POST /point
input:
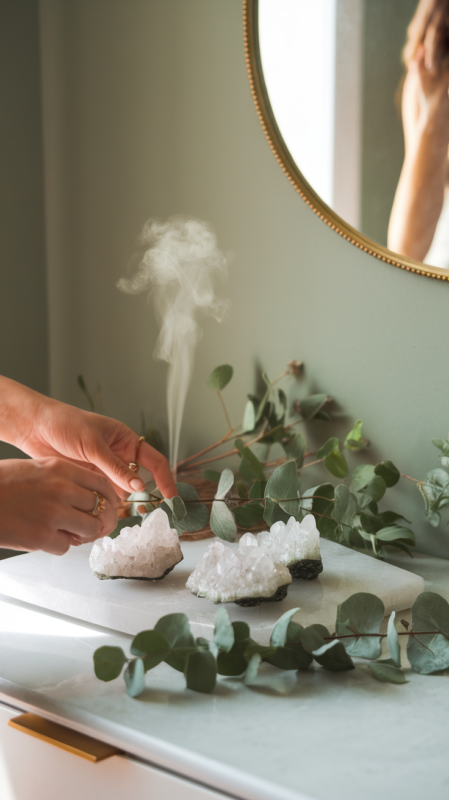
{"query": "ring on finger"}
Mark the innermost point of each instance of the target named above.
(100, 505)
(133, 465)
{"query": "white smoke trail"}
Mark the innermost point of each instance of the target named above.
(179, 260)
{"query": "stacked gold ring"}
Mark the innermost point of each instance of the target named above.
(100, 505)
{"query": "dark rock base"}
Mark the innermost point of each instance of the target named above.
(126, 578)
(307, 569)
(280, 594)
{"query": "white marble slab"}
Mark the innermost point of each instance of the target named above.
(66, 584)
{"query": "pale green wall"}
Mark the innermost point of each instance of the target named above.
(148, 112)
(23, 296)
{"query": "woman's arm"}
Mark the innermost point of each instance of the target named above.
(420, 193)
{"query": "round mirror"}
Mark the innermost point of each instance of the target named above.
(331, 86)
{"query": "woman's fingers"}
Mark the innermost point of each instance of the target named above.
(156, 463)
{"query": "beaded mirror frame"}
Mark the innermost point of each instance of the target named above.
(290, 169)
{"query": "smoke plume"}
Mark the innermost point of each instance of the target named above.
(178, 262)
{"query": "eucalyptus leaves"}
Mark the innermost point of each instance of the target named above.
(233, 652)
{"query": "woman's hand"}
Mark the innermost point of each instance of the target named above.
(47, 505)
(425, 101)
(43, 428)
(104, 443)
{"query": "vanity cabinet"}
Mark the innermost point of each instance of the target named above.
(31, 769)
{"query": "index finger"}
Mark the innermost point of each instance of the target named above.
(156, 463)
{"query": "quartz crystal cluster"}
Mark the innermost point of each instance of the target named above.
(295, 544)
(146, 552)
(247, 576)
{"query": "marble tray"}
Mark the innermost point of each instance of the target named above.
(66, 584)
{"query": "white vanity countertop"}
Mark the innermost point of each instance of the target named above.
(294, 735)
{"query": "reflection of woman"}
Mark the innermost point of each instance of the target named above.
(65, 494)
(421, 191)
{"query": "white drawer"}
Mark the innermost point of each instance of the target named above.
(31, 769)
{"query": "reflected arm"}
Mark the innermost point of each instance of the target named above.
(420, 192)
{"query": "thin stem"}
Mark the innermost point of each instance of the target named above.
(207, 449)
(312, 463)
(411, 479)
(225, 409)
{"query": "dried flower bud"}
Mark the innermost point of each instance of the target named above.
(295, 368)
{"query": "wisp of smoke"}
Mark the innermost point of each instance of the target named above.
(178, 263)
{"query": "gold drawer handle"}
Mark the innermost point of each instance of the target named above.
(77, 743)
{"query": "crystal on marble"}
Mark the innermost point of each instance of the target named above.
(290, 544)
(148, 551)
(226, 575)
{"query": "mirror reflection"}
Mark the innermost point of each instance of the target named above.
(359, 90)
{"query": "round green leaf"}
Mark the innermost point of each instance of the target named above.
(220, 377)
(429, 653)
(108, 662)
(361, 613)
(222, 521)
(225, 483)
(224, 632)
(135, 678)
(388, 471)
(387, 673)
(152, 646)
(201, 671)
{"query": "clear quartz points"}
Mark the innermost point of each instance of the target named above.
(150, 550)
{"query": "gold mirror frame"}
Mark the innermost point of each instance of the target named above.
(290, 169)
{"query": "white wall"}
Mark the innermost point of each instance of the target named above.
(148, 112)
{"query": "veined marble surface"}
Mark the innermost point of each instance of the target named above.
(68, 586)
(294, 735)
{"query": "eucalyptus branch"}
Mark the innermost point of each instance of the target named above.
(292, 646)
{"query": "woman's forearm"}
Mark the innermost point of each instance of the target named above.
(419, 197)
(20, 410)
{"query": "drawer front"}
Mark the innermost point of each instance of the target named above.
(31, 769)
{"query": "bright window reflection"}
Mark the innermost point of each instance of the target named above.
(14, 619)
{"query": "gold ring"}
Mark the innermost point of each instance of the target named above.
(100, 505)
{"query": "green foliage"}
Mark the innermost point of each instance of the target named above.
(135, 677)
(250, 467)
(197, 514)
(387, 673)
(334, 459)
(283, 487)
(249, 516)
(347, 509)
(233, 652)
(312, 407)
(201, 671)
(222, 521)
(295, 448)
(389, 473)
(393, 641)
(108, 662)
(435, 493)
(361, 614)
(429, 652)
(211, 475)
(249, 417)
(225, 483)
(354, 440)
(220, 377)
(176, 629)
